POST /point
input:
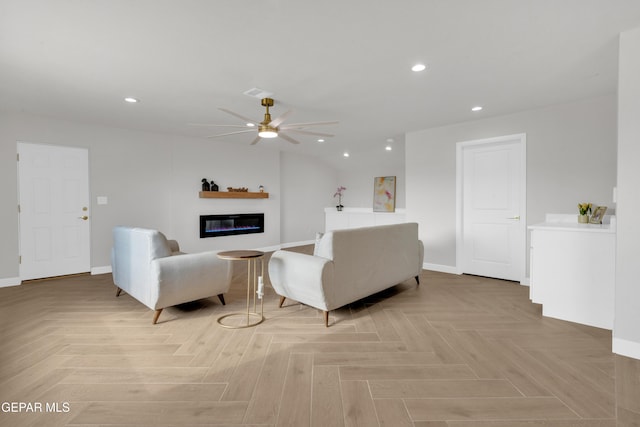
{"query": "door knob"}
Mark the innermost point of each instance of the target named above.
(515, 217)
(84, 217)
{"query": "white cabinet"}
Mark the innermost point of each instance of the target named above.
(360, 217)
(573, 270)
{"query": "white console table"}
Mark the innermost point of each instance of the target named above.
(573, 269)
(360, 217)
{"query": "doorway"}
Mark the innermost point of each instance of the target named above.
(53, 201)
(491, 207)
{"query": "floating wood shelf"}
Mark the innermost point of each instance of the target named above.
(232, 195)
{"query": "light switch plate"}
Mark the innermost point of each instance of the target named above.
(102, 200)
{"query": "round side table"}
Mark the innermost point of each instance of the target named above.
(253, 318)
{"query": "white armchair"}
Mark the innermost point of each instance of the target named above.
(152, 269)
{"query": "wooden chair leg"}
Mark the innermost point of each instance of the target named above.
(221, 298)
(118, 291)
(156, 315)
(281, 301)
(418, 280)
(326, 319)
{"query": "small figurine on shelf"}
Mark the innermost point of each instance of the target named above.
(205, 185)
(261, 188)
(214, 186)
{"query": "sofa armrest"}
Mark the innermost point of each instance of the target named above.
(304, 278)
(188, 277)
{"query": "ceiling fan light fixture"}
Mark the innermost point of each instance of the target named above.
(267, 131)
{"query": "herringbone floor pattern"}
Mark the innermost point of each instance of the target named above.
(454, 351)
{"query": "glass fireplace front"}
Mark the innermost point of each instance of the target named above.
(228, 225)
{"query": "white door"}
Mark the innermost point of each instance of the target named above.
(54, 210)
(493, 207)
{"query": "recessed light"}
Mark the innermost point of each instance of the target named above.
(321, 140)
(418, 67)
(130, 100)
(389, 140)
(346, 154)
(476, 108)
(250, 125)
(388, 148)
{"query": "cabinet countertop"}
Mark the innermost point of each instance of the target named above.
(562, 222)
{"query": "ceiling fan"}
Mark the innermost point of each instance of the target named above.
(269, 128)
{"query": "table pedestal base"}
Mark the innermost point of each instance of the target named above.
(257, 319)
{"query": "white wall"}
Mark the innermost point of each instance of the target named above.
(360, 169)
(626, 330)
(571, 158)
(153, 180)
(307, 188)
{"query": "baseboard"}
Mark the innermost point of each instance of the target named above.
(626, 348)
(10, 281)
(294, 244)
(101, 270)
(440, 268)
(526, 281)
(107, 268)
(268, 248)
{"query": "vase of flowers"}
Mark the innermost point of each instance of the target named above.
(338, 194)
(584, 209)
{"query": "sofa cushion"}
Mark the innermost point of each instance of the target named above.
(158, 245)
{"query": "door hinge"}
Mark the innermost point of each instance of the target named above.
(18, 156)
(19, 259)
(19, 210)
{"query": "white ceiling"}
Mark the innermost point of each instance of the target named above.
(345, 60)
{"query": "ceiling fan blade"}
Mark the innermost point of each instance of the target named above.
(211, 124)
(276, 122)
(230, 133)
(302, 125)
(238, 116)
(288, 138)
(255, 141)
(306, 132)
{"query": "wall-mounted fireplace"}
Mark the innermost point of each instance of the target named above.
(229, 225)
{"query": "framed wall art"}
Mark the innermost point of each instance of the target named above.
(384, 194)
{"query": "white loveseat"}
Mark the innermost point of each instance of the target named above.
(348, 265)
(152, 269)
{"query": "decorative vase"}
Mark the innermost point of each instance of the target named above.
(583, 219)
(339, 207)
(214, 186)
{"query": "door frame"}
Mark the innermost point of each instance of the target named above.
(460, 147)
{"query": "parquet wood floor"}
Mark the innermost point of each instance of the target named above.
(456, 351)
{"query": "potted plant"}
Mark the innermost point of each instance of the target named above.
(585, 210)
(339, 192)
